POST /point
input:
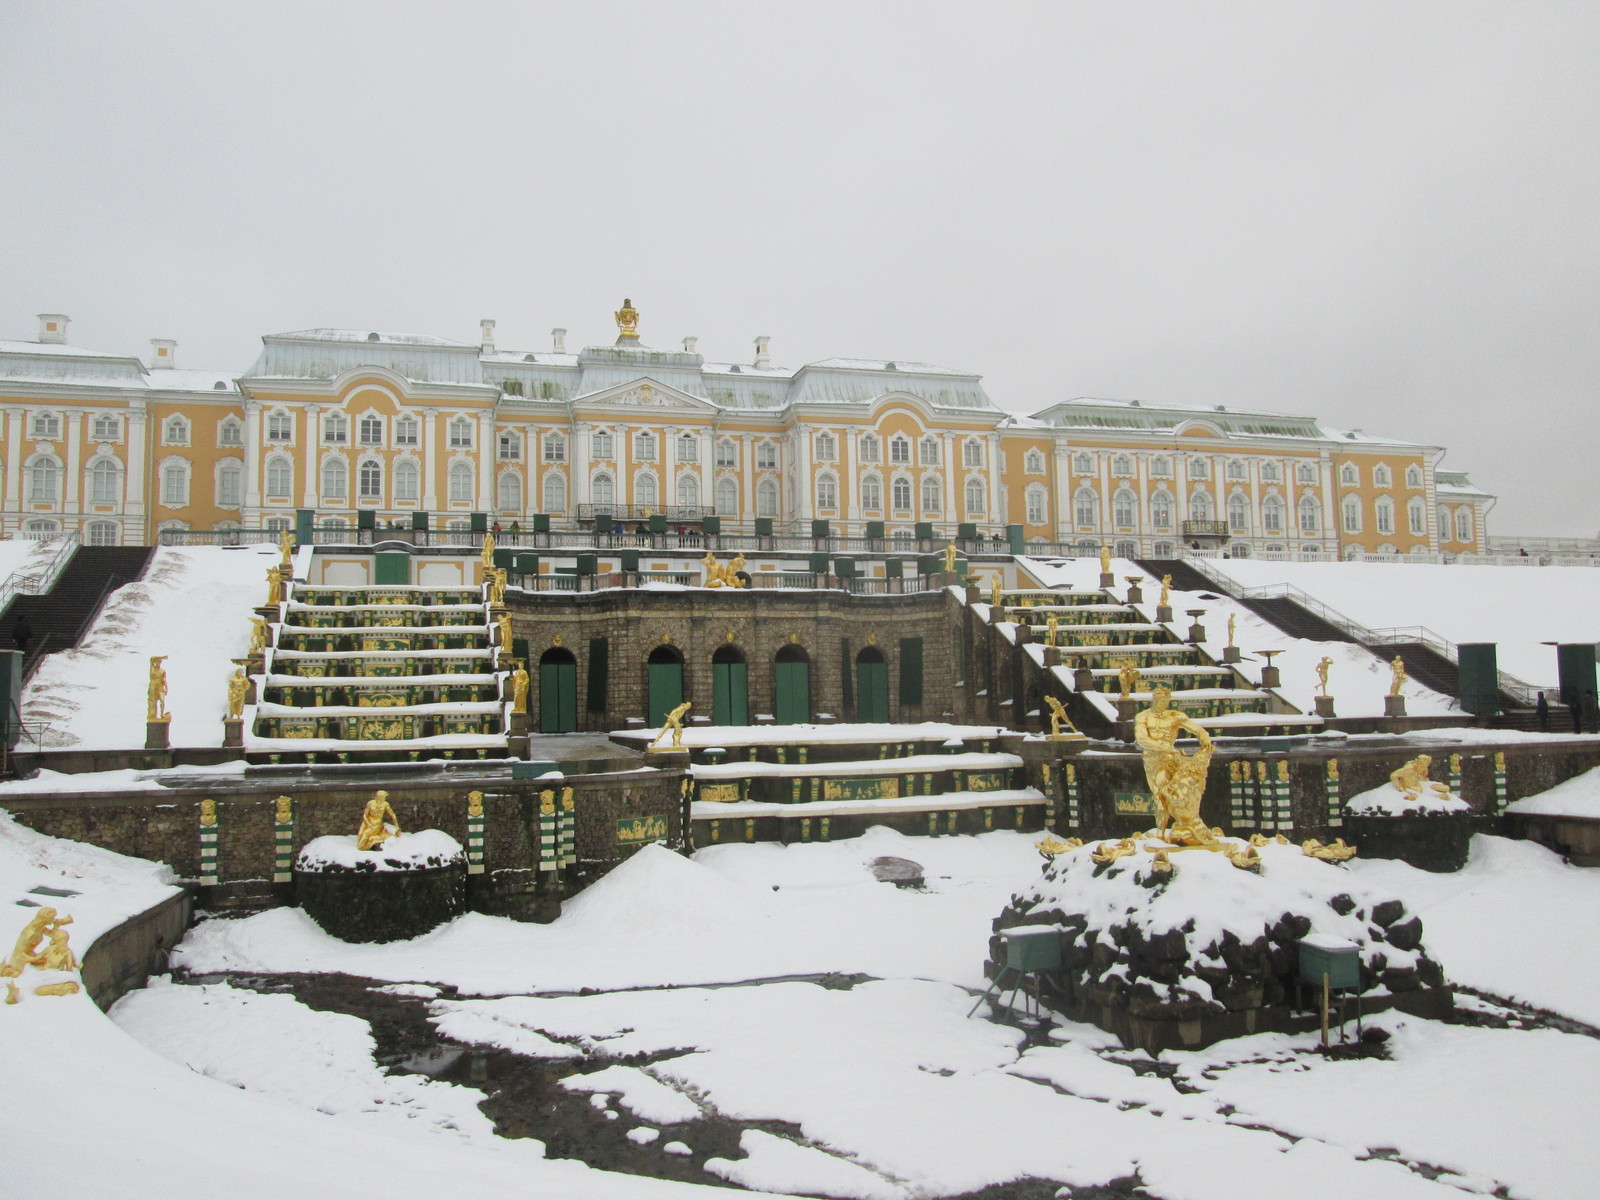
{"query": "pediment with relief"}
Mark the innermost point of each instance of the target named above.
(644, 393)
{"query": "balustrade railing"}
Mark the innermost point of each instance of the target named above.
(40, 575)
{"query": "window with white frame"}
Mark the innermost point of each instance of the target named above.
(103, 533)
(932, 495)
(869, 448)
(602, 491)
(46, 426)
(1201, 506)
(1350, 507)
(335, 429)
(930, 452)
(460, 430)
(1463, 524)
(1272, 514)
(1416, 516)
(174, 484)
(1305, 473)
(688, 491)
(370, 430)
(827, 447)
(44, 476)
(1122, 465)
(645, 491)
(1236, 469)
(508, 492)
(688, 448)
(827, 491)
(1161, 509)
(1413, 476)
(230, 483)
(644, 447)
(407, 431)
(175, 431)
(335, 479)
(972, 453)
(106, 428)
(767, 498)
(369, 479)
(1124, 507)
(600, 444)
(1349, 476)
(555, 447)
(280, 477)
(1036, 499)
(1271, 472)
(1238, 514)
(1381, 476)
(105, 479)
(766, 457)
(555, 492)
(1310, 519)
(975, 502)
(1199, 468)
(508, 447)
(407, 481)
(1083, 464)
(1161, 467)
(1086, 506)
(900, 494)
(1383, 514)
(872, 494)
(1033, 462)
(727, 498)
(230, 432)
(727, 454)
(899, 449)
(460, 478)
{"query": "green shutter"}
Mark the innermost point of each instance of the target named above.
(911, 671)
(599, 673)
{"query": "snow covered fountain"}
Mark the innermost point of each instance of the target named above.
(1415, 818)
(379, 884)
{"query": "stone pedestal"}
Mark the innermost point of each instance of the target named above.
(1164, 614)
(1394, 706)
(1083, 680)
(1052, 656)
(1230, 654)
(521, 724)
(1107, 580)
(519, 746)
(974, 594)
(232, 733)
(668, 760)
(1135, 595)
(157, 733)
(1270, 677)
(1325, 706)
(1127, 709)
(1197, 633)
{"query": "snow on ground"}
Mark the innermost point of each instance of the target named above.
(22, 555)
(1358, 679)
(193, 605)
(1575, 797)
(764, 735)
(1516, 607)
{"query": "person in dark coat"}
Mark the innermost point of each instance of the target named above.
(1575, 705)
(1543, 709)
(21, 633)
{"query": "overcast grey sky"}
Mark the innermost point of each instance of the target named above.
(1382, 214)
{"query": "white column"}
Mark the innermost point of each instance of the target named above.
(14, 457)
(1331, 530)
(431, 461)
(993, 468)
(138, 464)
(252, 458)
(72, 491)
(312, 446)
(802, 475)
(1063, 481)
(579, 466)
(487, 451)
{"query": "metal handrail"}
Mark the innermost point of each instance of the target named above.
(40, 578)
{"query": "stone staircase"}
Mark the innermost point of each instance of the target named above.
(60, 617)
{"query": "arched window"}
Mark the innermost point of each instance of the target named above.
(1348, 475)
(1036, 500)
(406, 432)
(1383, 513)
(1082, 464)
(230, 483)
(900, 494)
(869, 448)
(972, 453)
(407, 480)
(645, 491)
(44, 474)
(460, 434)
(230, 432)
(688, 491)
(1309, 520)
(1381, 476)
(103, 533)
(1122, 465)
(334, 428)
(175, 431)
(104, 479)
(872, 494)
(46, 426)
(1305, 473)
(461, 483)
(555, 492)
(174, 483)
(1413, 476)
(1416, 516)
(1272, 514)
(600, 444)
(932, 495)
(369, 479)
(767, 499)
(974, 496)
(1351, 508)
(335, 479)
(280, 477)
(1463, 524)
(1124, 507)
(827, 491)
(602, 491)
(1086, 506)
(1161, 509)
(1238, 514)
(1201, 507)
(508, 492)
(1033, 462)
(727, 498)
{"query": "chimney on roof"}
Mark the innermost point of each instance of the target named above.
(162, 354)
(560, 336)
(486, 336)
(763, 359)
(688, 344)
(53, 328)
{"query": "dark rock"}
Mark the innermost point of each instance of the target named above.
(1343, 904)
(382, 906)
(1400, 979)
(1387, 913)
(1407, 935)
(901, 872)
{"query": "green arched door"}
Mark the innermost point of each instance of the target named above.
(792, 687)
(872, 686)
(558, 692)
(664, 686)
(730, 688)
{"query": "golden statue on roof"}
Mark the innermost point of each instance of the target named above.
(627, 321)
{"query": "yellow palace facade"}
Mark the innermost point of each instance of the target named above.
(341, 422)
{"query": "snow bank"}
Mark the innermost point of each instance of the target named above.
(403, 852)
(1390, 801)
(1576, 797)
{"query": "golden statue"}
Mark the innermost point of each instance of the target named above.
(497, 586)
(283, 810)
(474, 804)
(1232, 621)
(1127, 677)
(674, 726)
(258, 635)
(156, 694)
(519, 689)
(1049, 846)
(1052, 624)
(1397, 670)
(1334, 851)
(1107, 852)
(1176, 780)
(375, 821)
(505, 633)
(286, 548)
(488, 552)
(996, 598)
(1105, 559)
(42, 944)
(732, 573)
(1411, 780)
(716, 574)
(274, 586)
(1058, 717)
(208, 812)
(1322, 675)
(627, 321)
(950, 558)
(238, 689)
(1166, 591)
